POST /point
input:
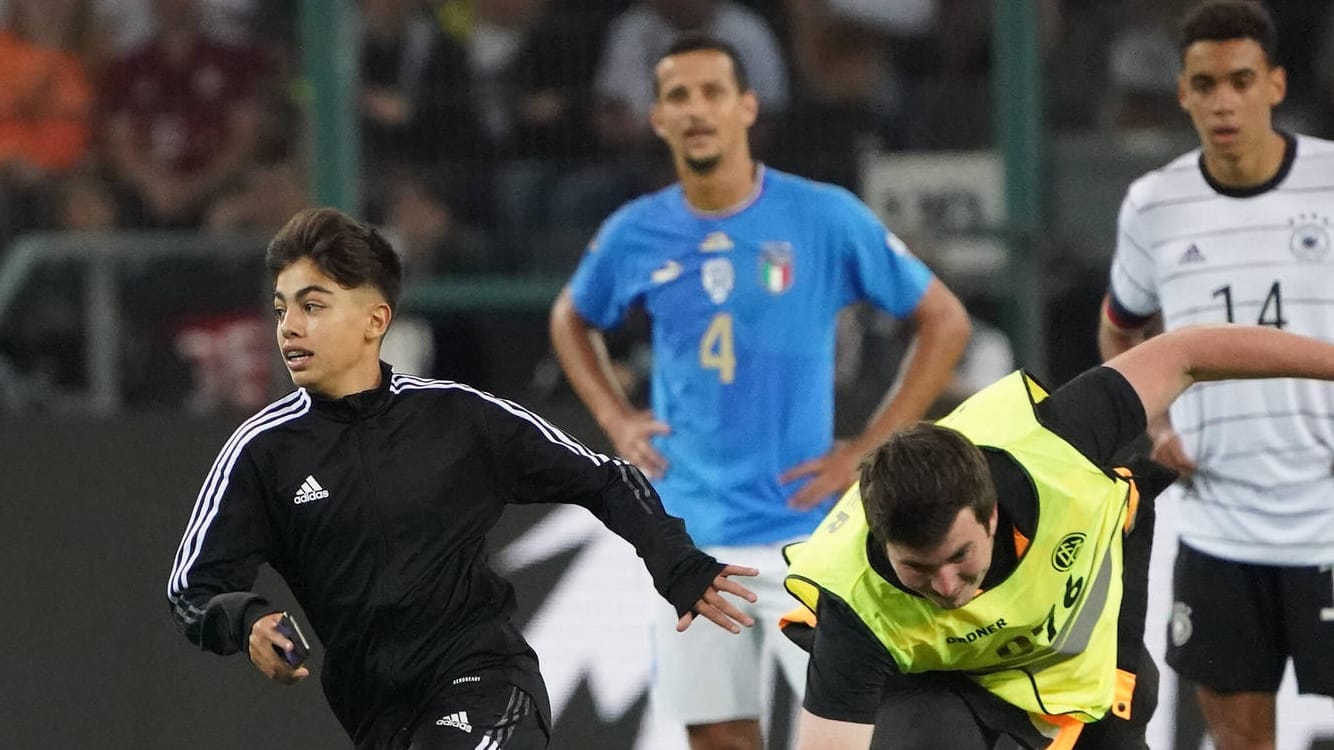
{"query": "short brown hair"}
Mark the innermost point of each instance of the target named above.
(1221, 20)
(349, 252)
(914, 485)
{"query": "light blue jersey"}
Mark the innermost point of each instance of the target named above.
(743, 306)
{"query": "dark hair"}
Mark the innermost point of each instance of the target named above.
(914, 485)
(695, 41)
(347, 251)
(1221, 20)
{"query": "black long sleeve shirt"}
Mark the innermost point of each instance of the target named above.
(375, 508)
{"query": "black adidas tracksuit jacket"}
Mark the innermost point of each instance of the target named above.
(390, 565)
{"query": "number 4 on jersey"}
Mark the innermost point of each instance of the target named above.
(716, 351)
(1271, 313)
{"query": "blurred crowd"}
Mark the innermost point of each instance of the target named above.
(497, 134)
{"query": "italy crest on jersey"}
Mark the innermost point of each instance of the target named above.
(776, 266)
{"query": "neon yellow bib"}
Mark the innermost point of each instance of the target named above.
(1044, 639)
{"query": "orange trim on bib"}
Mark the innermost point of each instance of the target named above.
(1132, 512)
(1020, 544)
(1070, 729)
(800, 616)
(1125, 694)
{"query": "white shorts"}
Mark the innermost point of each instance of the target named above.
(706, 674)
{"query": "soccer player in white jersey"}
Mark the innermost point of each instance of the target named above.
(1239, 230)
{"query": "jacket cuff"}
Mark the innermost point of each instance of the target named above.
(228, 619)
(689, 580)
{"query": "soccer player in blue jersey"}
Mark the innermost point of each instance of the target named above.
(742, 270)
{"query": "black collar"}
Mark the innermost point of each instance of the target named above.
(356, 406)
(1289, 155)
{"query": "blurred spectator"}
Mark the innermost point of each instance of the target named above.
(847, 94)
(183, 117)
(262, 200)
(415, 94)
(1142, 65)
(552, 83)
(639, 36)
(1077, 65)
(45, 109)
(899, 17)
(956, 108)
(1300, 24)
(1325, 82)
(421, 224)
(127, 25)
(556, 185)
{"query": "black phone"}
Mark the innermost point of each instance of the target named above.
(288, 627)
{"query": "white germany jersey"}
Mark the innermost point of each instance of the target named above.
(1201, 253)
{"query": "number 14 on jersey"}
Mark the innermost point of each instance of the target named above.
(1271, 312)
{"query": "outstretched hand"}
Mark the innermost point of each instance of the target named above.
(264, 636)
(717, 608)
(831, 473)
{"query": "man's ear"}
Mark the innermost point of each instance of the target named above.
(378, 321)
(656, 120)
(1278, 84)
(750, 105)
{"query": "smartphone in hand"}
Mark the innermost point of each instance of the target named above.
(288, 627)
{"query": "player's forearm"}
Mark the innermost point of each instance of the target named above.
(1113, 339)
(1163, 367)
(942, 334)
(583, 356)
(818, 733)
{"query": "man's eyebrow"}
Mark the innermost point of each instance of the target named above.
(1244, 70)
(303, 291)
(963, 549)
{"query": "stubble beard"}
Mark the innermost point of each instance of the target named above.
(705, 165)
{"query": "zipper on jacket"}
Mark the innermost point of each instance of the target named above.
(359, 430)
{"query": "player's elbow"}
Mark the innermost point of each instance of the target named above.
(944, 319)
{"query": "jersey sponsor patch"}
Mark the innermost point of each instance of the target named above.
(776, 273)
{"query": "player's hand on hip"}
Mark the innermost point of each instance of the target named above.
(264, 636)
(831, 473)
(716, 607)
(633, 438)
(1168, 450)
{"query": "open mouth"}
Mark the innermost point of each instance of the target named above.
(297, 357)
